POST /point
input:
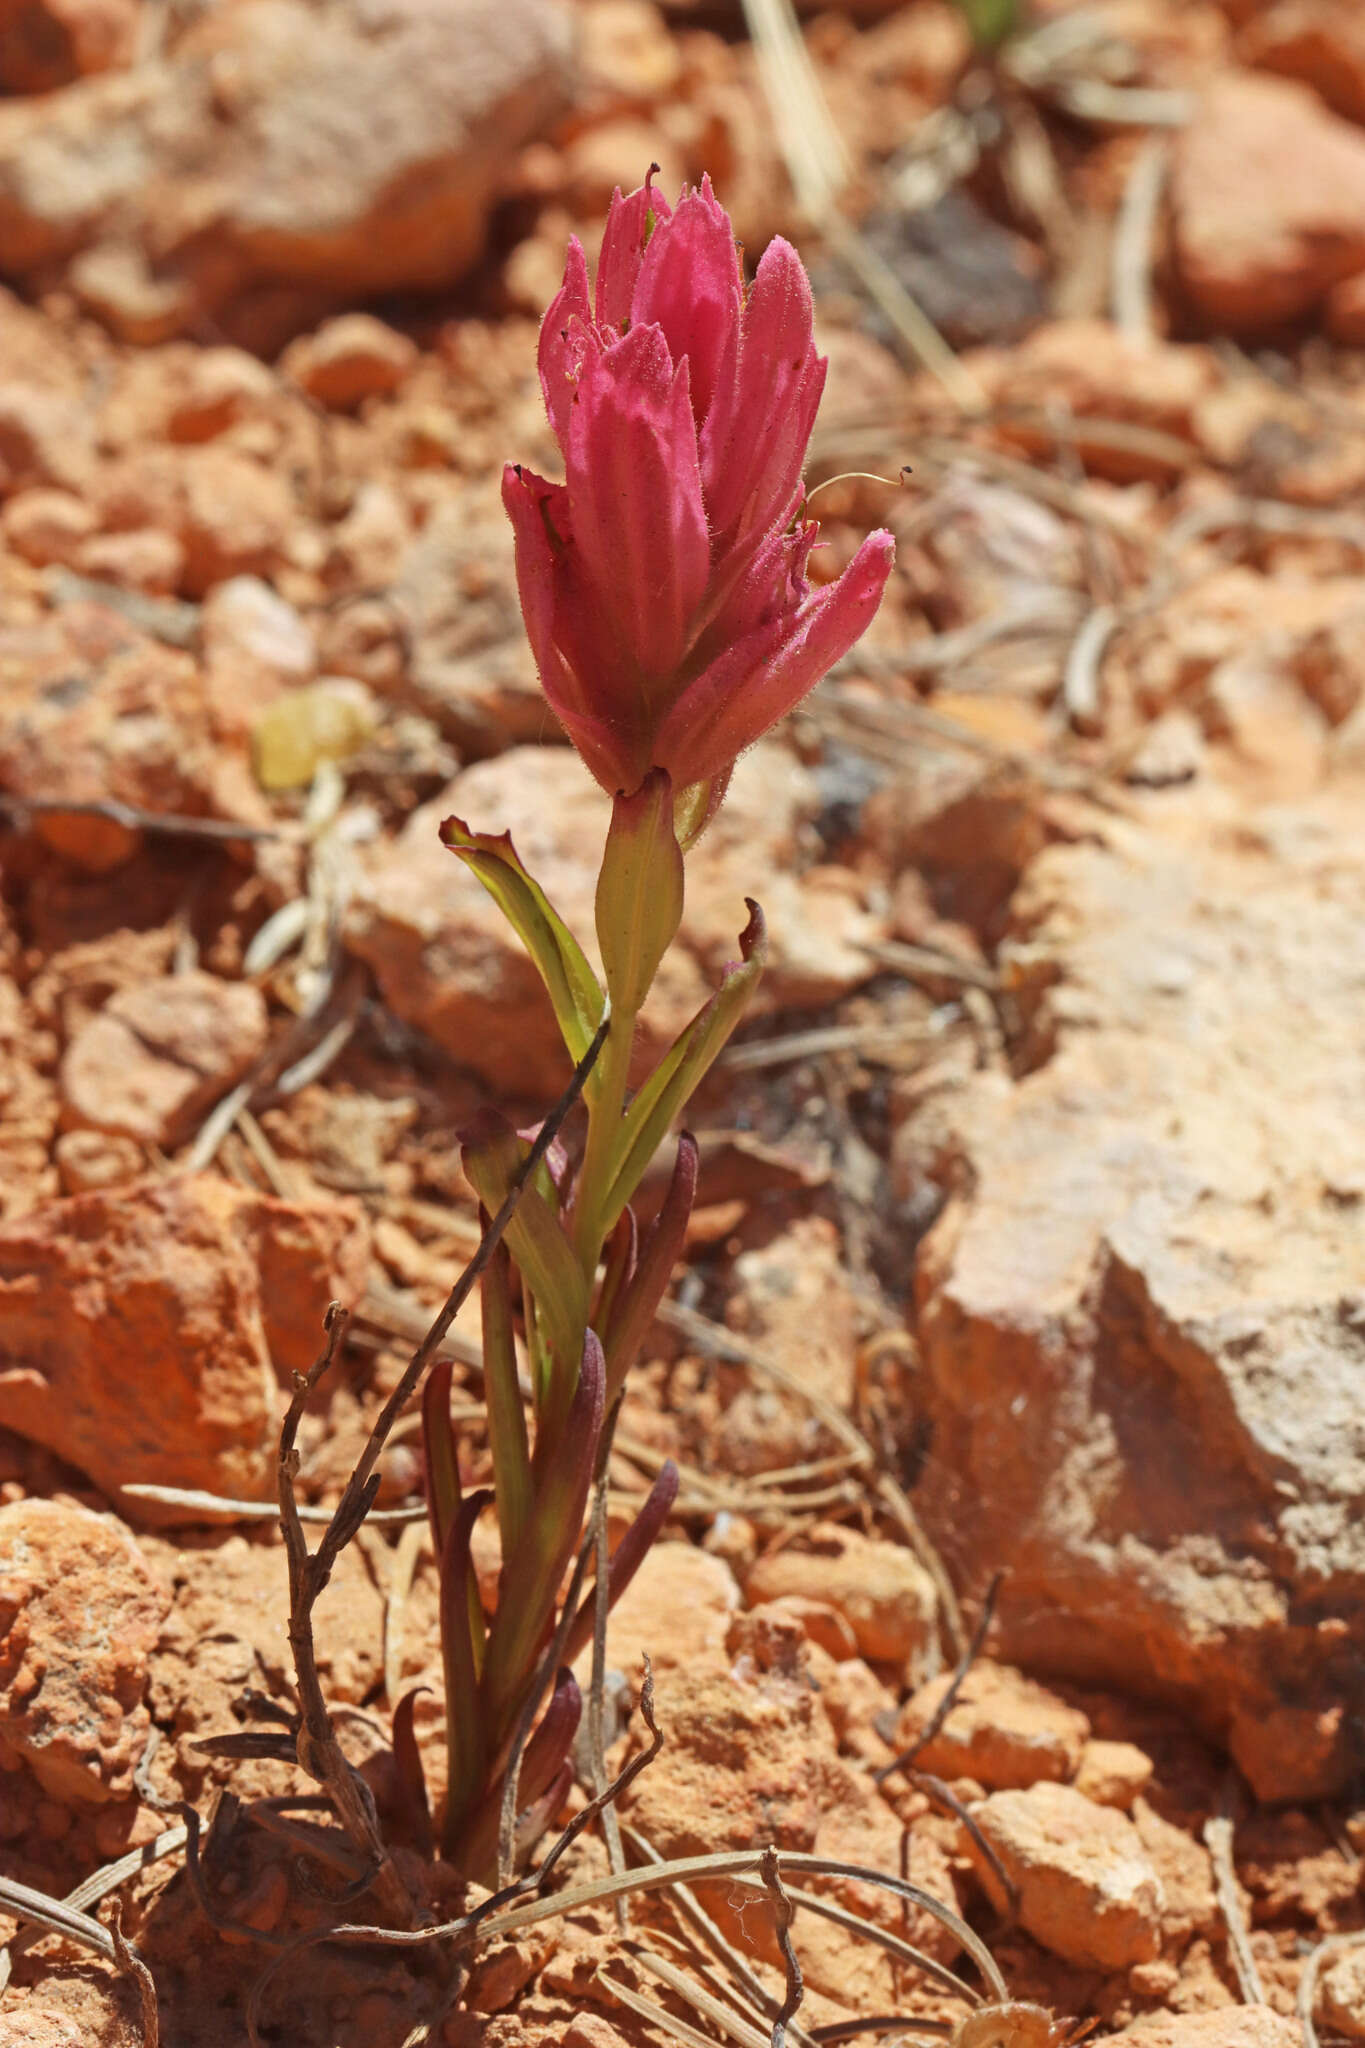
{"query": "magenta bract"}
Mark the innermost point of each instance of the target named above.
(664, 582)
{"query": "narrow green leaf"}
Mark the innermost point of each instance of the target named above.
(683, 1067)
(491, 1153)
(633, 1311)
(440, 1454)
(529, 1583)
(544, 1758)
(572, 986)
(639, 891)
(502, 1397)
(462, 1650)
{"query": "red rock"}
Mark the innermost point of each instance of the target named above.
(47, 43)
(791, 1297)
(1087, 1890)
(234, 517)
(255, 645)
(1113, 1773)
(1003, 1729)
(221, 386)
(144, 1328)
(141, 560)
(46, 526)
(40, 2026)
(1344, 314)
(349, 359)
(885, 1596)
(79, 1616)
(1321, 42)
(272, 161)
(1162, 1299)
(157, 1057)
(1096, 373)
(677, 1608)
(1229, 2026)
(1341, 1995)
(44, 436)
(1267, 201)
(87, 1160)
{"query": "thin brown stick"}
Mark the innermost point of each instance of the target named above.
(783, 1914)
(946, 1800)
(945, 1706)
(172, 823)
(131, 1965)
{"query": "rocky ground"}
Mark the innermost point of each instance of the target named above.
(1031, 1232)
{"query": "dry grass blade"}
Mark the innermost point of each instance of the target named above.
(714, 2009)
(1133, 236)
(198, 1503)
(689, 1909)
(94, 1888)
(1218, 1840)
(55, 1916)
(667, 2022)
(746, 1864)
(817, 165)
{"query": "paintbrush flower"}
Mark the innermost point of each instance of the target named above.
(664, 582)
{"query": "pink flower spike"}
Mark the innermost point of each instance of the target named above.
(630, 226)
(761, 678)
(689, 285)
(561, 338)
(635, 499)
(664, 583)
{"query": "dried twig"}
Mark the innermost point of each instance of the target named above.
(783, 1915)
(690, 1910)
(172, 823)
(1218, 1840)
(907, 1756)
(946, 1800)
(131, 1965)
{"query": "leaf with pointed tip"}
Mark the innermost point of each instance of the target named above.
(572, 986)
(439, 1450)
(529, 1582)
(541, 1765)
(491, 1153)
(408, 1773)
(685, 1064)
(462, 1653)
(628, 1555)
(632, 1311)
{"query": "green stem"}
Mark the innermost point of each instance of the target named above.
(604, 1130)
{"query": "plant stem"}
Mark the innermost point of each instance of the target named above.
(599, 1157)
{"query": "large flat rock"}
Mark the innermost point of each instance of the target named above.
(1142, 1311)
